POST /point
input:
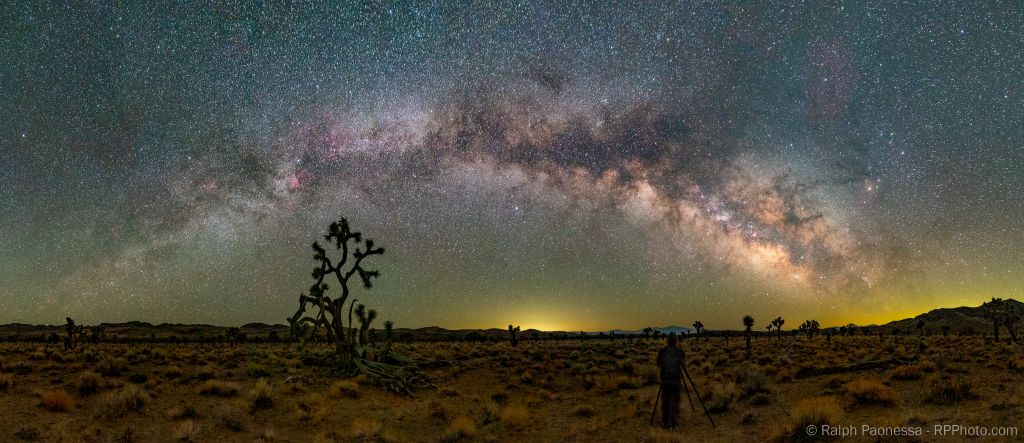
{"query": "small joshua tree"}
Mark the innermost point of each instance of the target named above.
(769, 329)
(748, 322)
(778, 322)
(389, 332)
(96, 333)
(72, 333)
(366, 318)
(234, 336)
(513, 335)
(699, 327)
(920, 327)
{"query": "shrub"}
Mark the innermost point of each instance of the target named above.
(180, 412)
(720, 396)
(256, 370)
(6, 382)
(869, 391)
(906, 372)
(29, 433)
(218, 388)
(345, 388)
(186, 430)
(363, 428)
(137, 378)
(750, 380)
(112, 366)
(58, 401)
(311, 407)
(515, 415)
(89, 383)
(941, 390)
(173, 372)
(132, 397)
(809, 412)
(205, 373)
(460, 427)
(261, 396)
(584, 411)
(231, 417)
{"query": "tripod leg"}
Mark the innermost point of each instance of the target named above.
(698, 397)
(688, 398)
(655, 409)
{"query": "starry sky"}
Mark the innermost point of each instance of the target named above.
(559, 165)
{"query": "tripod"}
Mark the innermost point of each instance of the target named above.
(657, 396)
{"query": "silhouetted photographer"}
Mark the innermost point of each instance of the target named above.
(671, 361)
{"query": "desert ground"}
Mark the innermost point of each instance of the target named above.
(569, 390)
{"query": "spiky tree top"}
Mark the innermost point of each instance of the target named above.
(748, 322)
(348, 265)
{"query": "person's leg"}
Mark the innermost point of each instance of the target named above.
(674, 405)
(666, 408)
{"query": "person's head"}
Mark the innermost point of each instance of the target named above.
(671, 339)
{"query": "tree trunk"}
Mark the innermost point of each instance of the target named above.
(748, 345)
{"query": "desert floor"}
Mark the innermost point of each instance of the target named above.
(593, 390)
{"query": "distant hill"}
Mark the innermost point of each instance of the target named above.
(959, 319)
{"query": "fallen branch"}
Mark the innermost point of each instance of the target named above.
(811, 371)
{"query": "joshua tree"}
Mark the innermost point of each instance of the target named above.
(994, 311)
(234, 335)
(699, 327)
(366, 318)
(778, 322)
(389, 332)
(647, 332)
(851, 329)
(920, 327)
(348, 265)
(72, 333)
(768, 334)
(513, 333)
(748, 322)
(810, 328)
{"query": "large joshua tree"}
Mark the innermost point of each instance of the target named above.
(748, 322)
(392, 371)
(350, 264)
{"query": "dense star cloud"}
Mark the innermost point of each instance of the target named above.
(560, 166)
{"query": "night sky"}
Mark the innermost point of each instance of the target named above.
(568, 166)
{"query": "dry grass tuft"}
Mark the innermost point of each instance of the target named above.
(365, 429)
(906, 372)
(944, 390)
(218, 388)
(515, 415)
(186, 430)
(89, 383)
(58, 401)
(719, 396)
(312, 407)
(867, 391)
(261, 396)
(659, 435)
(460, 427)
(6, 382)
(810, 412)
(345, 389)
